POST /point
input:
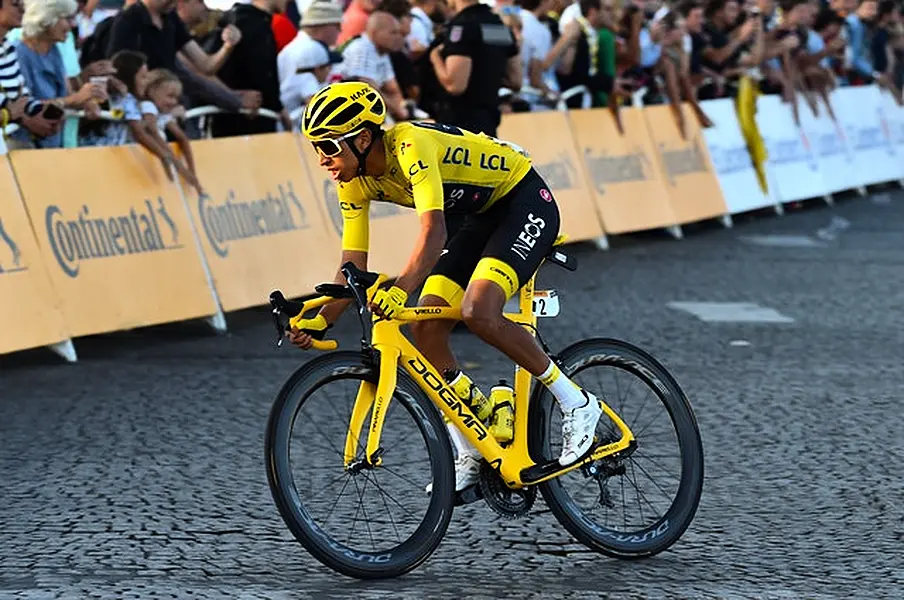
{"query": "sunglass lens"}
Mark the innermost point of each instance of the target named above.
(327, 147)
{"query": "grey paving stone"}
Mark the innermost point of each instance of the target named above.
(139, 473)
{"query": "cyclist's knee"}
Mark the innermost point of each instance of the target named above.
(481, 307)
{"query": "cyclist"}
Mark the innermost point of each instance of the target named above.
(487, 221)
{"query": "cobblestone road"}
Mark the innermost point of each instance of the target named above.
(138, 472)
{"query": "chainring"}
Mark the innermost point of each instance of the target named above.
(509, 503)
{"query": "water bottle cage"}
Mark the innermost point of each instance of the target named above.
(502, 404)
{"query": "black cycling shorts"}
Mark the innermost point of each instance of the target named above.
(505, 244)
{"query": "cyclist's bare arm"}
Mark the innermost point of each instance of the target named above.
(334, 310)
(426, 252)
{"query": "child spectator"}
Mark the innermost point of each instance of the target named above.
(131, 74)
(160, 110)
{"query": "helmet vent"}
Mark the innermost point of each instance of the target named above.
(345, 115)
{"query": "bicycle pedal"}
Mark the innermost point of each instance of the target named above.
(468, 495)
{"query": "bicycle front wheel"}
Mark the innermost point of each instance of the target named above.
(604, 504)
(391, 525)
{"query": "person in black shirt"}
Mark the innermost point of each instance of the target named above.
(252, 66)
(478, 57)
(153, 28)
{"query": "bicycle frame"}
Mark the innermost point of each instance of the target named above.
(511, 461)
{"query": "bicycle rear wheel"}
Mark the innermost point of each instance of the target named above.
(582, 500)
(385, 537)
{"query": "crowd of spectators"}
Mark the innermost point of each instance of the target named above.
(144, 63)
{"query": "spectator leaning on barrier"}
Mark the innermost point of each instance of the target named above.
(205, 90)
(813, 65)
(74, 70)
(15, 98)
(253, 66)
(44, 24)
(366, 58)
(159, 110)
(478, 56)
(128, 67)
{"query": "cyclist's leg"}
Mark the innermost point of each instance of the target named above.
(524, 236)
(466, 238)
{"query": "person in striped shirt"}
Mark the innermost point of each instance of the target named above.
(16, 104)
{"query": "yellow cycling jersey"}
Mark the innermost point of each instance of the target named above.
(432, 166)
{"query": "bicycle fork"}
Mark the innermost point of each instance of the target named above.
(376, 397)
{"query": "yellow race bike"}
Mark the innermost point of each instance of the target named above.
(372, 420)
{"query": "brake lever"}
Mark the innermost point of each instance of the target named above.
(277, 300)
(280, 328)
(353, 285)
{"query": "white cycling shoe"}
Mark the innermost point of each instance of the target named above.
(467, 472)
(578, 427)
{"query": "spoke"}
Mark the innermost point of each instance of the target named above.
(373, 543)
(651, 459)
(355, 518)
(405, 479)
(320, 430)
(659, 487)
(342, 491)
(330, 482)
(388, 511)
(394, 500)
(640, 494)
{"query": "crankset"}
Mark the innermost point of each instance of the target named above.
(509, 503)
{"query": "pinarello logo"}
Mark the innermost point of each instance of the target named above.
(544, 193)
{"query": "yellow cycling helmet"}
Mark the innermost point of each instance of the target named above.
(342, 108)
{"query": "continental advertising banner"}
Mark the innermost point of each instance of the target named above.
(114, 236)
(621, 169)
(393, 229)
(686, 168)
(547, 138)
(29, 310)
(261, 226)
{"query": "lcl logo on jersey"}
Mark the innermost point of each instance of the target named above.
(10, 255)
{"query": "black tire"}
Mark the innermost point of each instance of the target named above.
(665, 531)
(331, 552)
